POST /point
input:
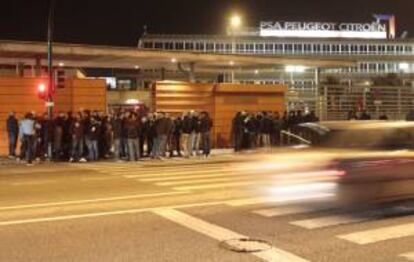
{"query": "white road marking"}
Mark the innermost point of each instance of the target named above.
(180, 176)
(328, 221)
(288, 210)
(408, 256)
(33, 183)
(97, 178)
(220, 185)
(109, 213)
(207, 181)
(222, 234)
(261, 200)
(88, 201)
(156, 173)
(380, 234)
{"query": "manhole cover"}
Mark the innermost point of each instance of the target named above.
(248, 245)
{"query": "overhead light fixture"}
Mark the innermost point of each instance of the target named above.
(295, 69)
(231, 63)
(61, 64)
(256, 72)
(404, 67)
(173, 60)
(136, 67)
(235, 21)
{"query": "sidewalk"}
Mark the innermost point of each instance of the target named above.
(5, 161)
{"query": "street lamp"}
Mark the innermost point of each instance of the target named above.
(235, 22)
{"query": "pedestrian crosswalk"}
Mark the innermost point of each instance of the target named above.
(216, 176)
(198, 175)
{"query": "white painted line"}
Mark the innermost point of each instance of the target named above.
(328, 221)
(98, 178)
(168, 177)
(207, 181)
(220, 185)
(222, 234)
(33, 183)
(281, 200)
(408, 256)
(196, 170)
(103, 214)
(380, 234)
(88, 201)
(288, 210)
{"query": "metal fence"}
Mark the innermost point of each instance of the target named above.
(335, 101)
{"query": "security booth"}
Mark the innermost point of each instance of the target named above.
(221, 101)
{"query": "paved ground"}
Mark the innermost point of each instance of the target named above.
(182, 210)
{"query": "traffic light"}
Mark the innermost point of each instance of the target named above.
(60, 78)
(42, 91)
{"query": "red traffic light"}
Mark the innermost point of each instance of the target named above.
(42, 91)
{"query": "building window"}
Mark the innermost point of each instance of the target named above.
(400, 49)
(240, 48)
(288, 48)
(269, 48)
(390, 48)
(297, 48)
(335, 48)
(210, 47)
(372, 49)
(317, 48)
(158, 45)
(326, 48)
(363, 49)
(189, 46)
(149, 45)
(345, 48)
(250, 48)
(279, 48)
(259, 48)
(179, 46)
(408, 49)
(219, 47)
(200, 46)
(169, 45)
(308, 48)
(228, 48)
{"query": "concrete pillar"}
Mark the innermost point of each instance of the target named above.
(38, 66)
(20, 69)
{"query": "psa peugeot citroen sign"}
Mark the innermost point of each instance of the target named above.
(373, 30)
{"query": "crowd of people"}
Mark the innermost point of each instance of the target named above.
(123, 135)
(262, 129)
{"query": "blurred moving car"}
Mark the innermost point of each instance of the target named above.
(373, 160)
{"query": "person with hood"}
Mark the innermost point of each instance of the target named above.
(13, 133)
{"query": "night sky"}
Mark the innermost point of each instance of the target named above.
(120, 22)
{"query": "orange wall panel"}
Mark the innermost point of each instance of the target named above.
(20, 95)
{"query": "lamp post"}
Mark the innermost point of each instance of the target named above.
(235, 24)
(51, 88)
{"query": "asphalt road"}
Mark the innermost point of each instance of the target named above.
(184, 210)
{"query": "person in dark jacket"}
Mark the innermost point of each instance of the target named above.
(117, 135)
(132, 130)
(163, 128)
(13, 133)
(59, 125)
(186, 129)
(93, 134)
(76, 131)
(205, 126)
(175, 137)
(238, 131)
(151, 133)
(47, 133)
